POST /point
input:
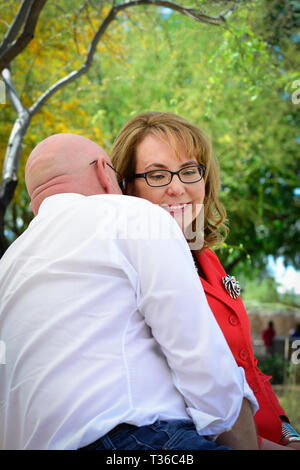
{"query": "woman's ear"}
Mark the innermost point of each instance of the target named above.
(129, 189)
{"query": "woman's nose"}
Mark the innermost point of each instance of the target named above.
(176, 187)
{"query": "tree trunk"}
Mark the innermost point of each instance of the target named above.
(9, 175)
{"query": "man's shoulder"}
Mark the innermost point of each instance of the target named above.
(123, 200)
(133, 204)
(119, 201)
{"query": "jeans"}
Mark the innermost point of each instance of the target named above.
(172, 435)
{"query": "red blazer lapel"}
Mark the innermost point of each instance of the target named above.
(214, 273)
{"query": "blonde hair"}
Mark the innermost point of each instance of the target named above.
(172, 128)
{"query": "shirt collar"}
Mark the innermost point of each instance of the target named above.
(55, 199)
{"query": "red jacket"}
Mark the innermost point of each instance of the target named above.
(233, 321)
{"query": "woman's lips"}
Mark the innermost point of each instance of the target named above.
(179, 207)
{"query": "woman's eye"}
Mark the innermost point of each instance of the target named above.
(190, 171)
(157, 176)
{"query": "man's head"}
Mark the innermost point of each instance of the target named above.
(62, 164)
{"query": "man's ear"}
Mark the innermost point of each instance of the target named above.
(102, 176)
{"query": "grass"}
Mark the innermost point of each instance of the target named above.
(288, 396)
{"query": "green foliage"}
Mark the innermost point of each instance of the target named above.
(283, 19)
(280, 370)
(224, 81)
(290, 298)
(273, 366)
(261, 290)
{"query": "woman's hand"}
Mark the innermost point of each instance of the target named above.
(294, 445)
(269, 445)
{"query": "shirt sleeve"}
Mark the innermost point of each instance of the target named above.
(173, 303)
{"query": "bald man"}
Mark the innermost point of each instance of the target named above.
(106, 346)
(60, 164)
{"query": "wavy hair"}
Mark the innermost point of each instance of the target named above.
(171, 128)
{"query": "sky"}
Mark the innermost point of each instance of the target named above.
(287, 277)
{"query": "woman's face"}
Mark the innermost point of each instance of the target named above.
(182, 200)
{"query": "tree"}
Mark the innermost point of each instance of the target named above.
(230, 84)
(16, 39)
(272, 184)
(107, 13)
(231, 81)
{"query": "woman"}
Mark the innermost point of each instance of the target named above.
(167, 160)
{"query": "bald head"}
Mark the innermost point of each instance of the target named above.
(61, 164)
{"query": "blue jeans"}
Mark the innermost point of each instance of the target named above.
(172, 435)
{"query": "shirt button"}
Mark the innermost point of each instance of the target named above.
(233, 320)
(243, 354)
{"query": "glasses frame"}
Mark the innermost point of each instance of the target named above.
(172, 173)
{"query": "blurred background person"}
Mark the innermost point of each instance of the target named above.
(268, 335)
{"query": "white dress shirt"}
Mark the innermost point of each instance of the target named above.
(105, 321)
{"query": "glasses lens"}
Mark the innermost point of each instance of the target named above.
(191, 174)
(158, 177)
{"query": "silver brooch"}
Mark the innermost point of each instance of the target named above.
(232, 286)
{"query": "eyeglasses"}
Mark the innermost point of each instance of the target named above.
(188, 174)
(122, 182)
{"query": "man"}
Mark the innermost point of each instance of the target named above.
(104, 337)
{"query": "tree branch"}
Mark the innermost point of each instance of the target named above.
(31, 10)
(197, 15)
(10, 165)
(12, 92)
(228, 11)
(16, 25)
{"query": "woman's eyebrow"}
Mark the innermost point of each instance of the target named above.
(160, 165)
